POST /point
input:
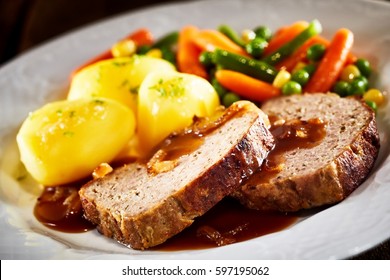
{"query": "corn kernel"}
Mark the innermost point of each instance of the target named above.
(299, 66)
(124, 48)
(281, 78)
(374, 95)
(248, 35)
(156, 53)
(349, 73)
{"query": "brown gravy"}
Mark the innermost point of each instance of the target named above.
(228, 222)
(59, 208)
(289, 135)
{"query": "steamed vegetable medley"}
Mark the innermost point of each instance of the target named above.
(125, 101)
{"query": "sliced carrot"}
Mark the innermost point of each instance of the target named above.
(140, 37)
(285, 35)
(188, 53)
(332, 63)
(246, 86)
(300, 54)
(209, 40)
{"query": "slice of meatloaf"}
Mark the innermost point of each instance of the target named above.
(142, 205)
(326, 172)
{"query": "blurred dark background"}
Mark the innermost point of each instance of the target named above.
(27, 23)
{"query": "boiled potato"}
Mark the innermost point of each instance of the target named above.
(168, 102)
(65, 140)
(116, 78)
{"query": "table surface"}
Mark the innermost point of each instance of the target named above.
(26, 23)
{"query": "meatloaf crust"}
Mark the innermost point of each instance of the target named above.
(324, 174)
(141, 209)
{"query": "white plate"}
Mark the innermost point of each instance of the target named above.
(358, 223)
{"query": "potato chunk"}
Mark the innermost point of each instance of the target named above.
(117, 78)
(168, 102)
(65, 140)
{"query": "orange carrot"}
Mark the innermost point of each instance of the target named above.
(332, 63)
(351, 58)
(188, 53)
(140, 37)
(300, 54)
(209, 40)
(246, 86)
(285, 35)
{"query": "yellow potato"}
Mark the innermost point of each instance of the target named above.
(117, 78)
(65, 140)
(168, 102)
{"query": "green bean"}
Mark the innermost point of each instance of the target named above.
(251, 67)
(169, 55)
(143, 49)
(167, 41)
(287, 49)
(207, 59)
(229, 32)
(218, 88)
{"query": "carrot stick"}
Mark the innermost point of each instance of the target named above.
(188, 53)
(332, 63)
(140, 37)
(209, 40)
(285, 35)
(300, 54)
(246, 86)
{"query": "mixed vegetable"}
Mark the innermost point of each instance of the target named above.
(138, 92)
(259, 64)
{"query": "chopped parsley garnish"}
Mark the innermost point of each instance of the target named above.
(170, 88)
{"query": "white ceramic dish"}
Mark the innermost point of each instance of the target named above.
(358, 223)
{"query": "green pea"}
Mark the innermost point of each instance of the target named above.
(263, 32)
(206, 58)
(358, 87)
(364, 67)
(291, 87)
(310, 68)
(300, 76)
(256, 47)
(342, 88)
(364, 81)
(230, 98)
(315, 52)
